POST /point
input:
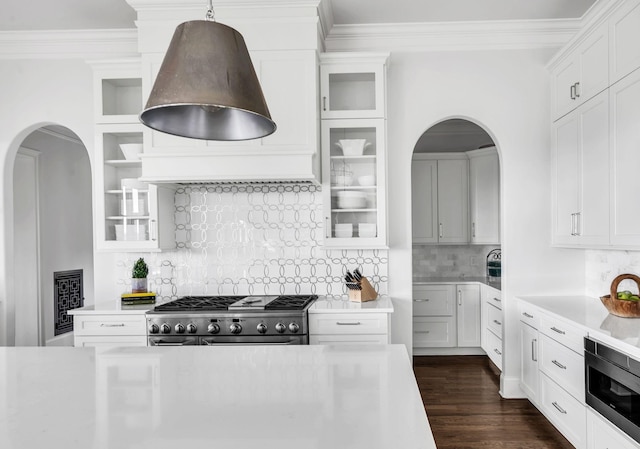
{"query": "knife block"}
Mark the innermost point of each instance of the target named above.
(368, 293)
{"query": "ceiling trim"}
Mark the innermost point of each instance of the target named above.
(69, 44)
(449, 36)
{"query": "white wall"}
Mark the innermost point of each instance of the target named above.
(35, 93)
(507, 93)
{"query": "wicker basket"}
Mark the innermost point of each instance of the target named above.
(621, 307)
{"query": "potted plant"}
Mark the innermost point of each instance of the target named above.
(139, 276)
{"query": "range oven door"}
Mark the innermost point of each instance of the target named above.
(228, 340)
(613, 386)
(173, 341)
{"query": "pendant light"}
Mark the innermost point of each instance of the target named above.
(207, 87)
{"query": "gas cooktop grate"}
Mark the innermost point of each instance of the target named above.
(291, 302)
(198, 303)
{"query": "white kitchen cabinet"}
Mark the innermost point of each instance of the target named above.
(446, 316)
(484, 196)
(354, 186)
(565, 412)
(529, 361)
(580, 175)
(625, 161)
(582, 74)
(117, 90)
(445, 220)
(624, 35)
(349, 328)
(601, 434)
(491, 327)
(353, 85)
(109, 330)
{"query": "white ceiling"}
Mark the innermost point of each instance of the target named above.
(104, 14)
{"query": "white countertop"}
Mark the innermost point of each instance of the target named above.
(325, 304)
(113, 307)
(590, 314)
(245, 397)
(491, 282)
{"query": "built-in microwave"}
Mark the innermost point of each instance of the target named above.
(613, 386)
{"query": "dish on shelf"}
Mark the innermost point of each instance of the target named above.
(352, 147)
(366, 230)
(367, 180)
(350, 199)
(131, 232)
(342, 180)
(343, 230)
(131, 151)
(131, 208)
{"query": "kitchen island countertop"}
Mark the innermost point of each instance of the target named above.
(357, 397)
(327, 304)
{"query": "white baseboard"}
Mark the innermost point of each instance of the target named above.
(61, 340)
(448, 351)
(510, 388)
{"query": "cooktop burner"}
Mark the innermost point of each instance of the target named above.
(233, 303)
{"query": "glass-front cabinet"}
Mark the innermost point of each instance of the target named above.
(354, 180)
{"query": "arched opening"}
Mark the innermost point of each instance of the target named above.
(50, 236)
(455, 205)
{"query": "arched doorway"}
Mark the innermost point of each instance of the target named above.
(52, 234)
(455, 227)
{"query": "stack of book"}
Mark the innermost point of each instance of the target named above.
(138, 298)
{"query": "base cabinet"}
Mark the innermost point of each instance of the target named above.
(529, 361)
(601, 434)
(492, 318)
(348, 328)
(109, 330)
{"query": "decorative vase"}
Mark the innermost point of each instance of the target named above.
(138, 285)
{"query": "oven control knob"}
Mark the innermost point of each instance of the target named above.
(192, 328)
(235, 328)
(262, 328)
(280, 328)
(293, 327)
(165, 328)
(180, 328)
(154, 328)
(213, 328)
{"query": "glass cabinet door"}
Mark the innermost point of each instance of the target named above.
(354, 183)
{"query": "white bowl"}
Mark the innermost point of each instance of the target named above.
(352, 147)
(367, 180)
(366, 230)
(349, 199)
(131, 232)
(131, 151)
(343, 230)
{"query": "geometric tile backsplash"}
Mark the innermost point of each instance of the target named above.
(252, 239)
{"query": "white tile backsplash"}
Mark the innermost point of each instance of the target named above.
(450, 260)
(602, 266)
(252, 239)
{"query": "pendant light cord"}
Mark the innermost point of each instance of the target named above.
(210, 14)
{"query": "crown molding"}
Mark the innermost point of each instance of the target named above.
(69, 44)
(449, 36)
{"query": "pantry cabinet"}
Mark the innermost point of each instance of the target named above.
(130, 215)
(440, 197)
(354, 154)
(484, 196)
(580, 175)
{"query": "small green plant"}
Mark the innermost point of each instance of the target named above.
(140, 269)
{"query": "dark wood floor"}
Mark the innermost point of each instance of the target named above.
(460, 395)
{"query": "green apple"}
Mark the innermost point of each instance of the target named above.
(625, 295)
(634, 298)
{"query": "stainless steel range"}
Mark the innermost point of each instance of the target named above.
(227, 320)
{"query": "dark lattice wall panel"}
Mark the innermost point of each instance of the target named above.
(68, 294)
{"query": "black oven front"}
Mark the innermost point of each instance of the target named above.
(613, 386)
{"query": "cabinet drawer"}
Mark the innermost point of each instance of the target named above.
(109, 325)
(566, 413)
(494, 319)
(562, 365)
(434, 332)
(433, 300)
(529, 314)
(353, 339)
(603, 435)
(493, 296)
(109, 342)
(347, 323)
(494, 349)
(562, 332)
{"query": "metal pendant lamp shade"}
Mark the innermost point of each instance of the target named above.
(207, 87)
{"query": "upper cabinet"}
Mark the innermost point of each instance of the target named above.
(130, 215)
(624, 35)
(581, 74)
(352, 85)
(484, 196)
(354, 155)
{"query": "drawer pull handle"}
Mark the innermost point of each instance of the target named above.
(560, 409)
(555, 329)
(558, 364)
(340, 323)
(497, 299)
(534, 356)
(422, 300)
(497, 322)
(496, 351)
(527, 315)
(421, 332)
(111, 325)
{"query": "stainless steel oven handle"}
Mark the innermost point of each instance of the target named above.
(164, 343)
(290, 342)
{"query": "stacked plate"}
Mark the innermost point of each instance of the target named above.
(349, 199)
